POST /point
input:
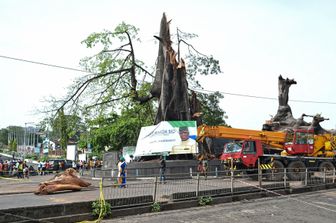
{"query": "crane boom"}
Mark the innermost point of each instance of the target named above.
(274, 139)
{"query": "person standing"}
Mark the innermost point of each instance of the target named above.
(91, 166)
(1, 168)
(81, 168)
(122, 172)
(25, 170)
(74, 165)
(200, 167)
(62, 165)
(20, 169)
(205, 168)
(5, 168)
(162, 169)
(117, 181)
(39, 167)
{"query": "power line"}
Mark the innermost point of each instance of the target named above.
(262, 97)
(45, 64)
(235, 94)
(197, 90)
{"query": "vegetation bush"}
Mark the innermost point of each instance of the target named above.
(156, 207)
(101, 208)
(202, 201)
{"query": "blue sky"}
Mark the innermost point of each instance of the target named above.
(255, 42)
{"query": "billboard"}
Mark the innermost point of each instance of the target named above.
(71, 152)
(167, 137)
(128, 153)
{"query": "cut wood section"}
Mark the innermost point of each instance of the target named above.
(68, 180)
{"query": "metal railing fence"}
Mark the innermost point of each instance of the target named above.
(217, 183)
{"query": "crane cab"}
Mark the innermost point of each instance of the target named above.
(299, 142)
(242, 153)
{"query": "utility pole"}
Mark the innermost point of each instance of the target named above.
(24, 138)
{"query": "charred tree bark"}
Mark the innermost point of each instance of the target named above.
(170, 84)
(284, 119)
(315, 124)
(195, 108)
(164, 32)
(284, 114)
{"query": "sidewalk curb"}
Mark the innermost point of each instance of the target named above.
(20, 192)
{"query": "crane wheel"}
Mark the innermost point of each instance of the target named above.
(326, 165)
(277, 171)
(296, 170)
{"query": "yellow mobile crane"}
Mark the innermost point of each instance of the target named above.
(295, 150)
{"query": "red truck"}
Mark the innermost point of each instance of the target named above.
(294, 150)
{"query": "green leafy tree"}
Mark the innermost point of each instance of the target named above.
(60, 126)
(100, 131)
(117, 131)
(3, 137)
(16, 136)
(115, 73)
(212, 113)
(66, 127)
(13, 145)
(113, 84)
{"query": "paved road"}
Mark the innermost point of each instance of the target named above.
(319, 206)
(19, 193)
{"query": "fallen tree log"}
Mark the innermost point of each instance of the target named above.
(68, 180)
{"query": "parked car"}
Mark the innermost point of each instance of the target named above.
(55, 164)
(32, 171)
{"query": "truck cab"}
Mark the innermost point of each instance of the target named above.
(300, 142)
(243, 154)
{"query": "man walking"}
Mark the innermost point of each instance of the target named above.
(122, 172)
(162, 169)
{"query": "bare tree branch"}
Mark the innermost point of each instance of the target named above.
(117, 50)
(87, 82)
(144, 70)
(191, 46)
(105, 102)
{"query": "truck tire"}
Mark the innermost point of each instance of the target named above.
(296, 170)
(327, 165)
(277, 171)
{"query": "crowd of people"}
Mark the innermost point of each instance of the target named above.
(21, 169)
(17, 168)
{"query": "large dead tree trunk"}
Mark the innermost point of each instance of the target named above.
(195, 108)
(284, 120)
(170, 85)
(156, 86)
(284, 114)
